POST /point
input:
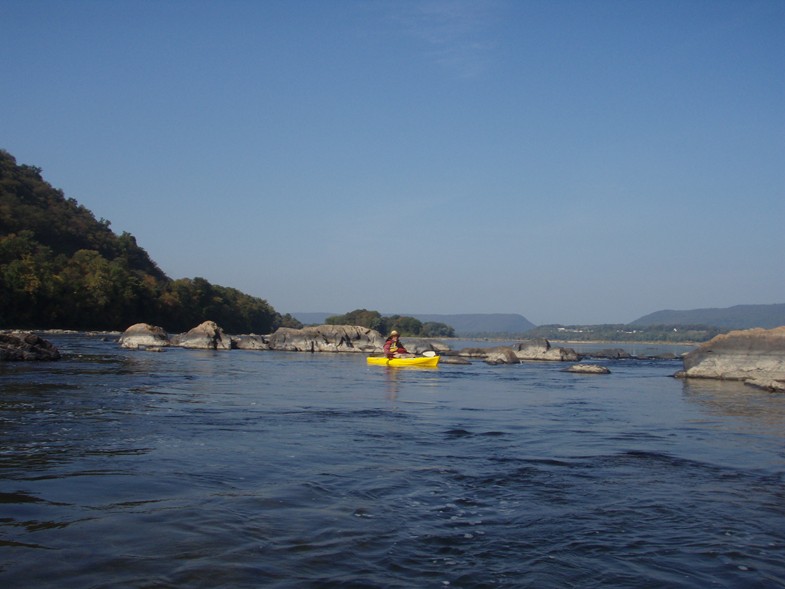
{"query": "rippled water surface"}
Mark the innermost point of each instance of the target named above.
(263, 469)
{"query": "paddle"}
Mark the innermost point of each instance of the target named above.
(426, 353)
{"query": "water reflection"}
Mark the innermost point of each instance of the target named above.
(735, 399)
(392, 378)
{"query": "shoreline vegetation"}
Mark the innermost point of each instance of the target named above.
(60, 267)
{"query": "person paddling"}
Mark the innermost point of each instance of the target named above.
(393, 346)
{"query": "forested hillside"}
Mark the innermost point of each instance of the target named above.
(62, 268)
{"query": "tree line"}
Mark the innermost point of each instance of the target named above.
(406, 326)
(60, 268)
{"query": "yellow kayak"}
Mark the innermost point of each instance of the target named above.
(421, 361)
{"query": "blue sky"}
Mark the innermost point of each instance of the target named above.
(572, 161)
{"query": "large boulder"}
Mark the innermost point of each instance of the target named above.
(501, 355)
(541, 349)
(752, 354)
(206, 336)
(26, 346)
(326, 338)
(144, 335)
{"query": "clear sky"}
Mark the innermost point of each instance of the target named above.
(576, 162)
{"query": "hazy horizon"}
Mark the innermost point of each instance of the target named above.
(298, 314)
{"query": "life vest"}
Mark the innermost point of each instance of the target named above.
(391, 346)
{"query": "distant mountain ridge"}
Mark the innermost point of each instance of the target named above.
(737, 317)
(465, 324)
(477, 324)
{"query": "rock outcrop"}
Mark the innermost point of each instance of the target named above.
(754, 355)
(541, 349)
(206, 336)
(335, 338)
(610, 353)
(537, 349)
(144, 336)
(250, 342)
(26, 346)
(326, 338)
(501, 355)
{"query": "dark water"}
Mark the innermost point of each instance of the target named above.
(263, 469)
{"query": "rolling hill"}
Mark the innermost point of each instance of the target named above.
(737, 317)
(478, 324)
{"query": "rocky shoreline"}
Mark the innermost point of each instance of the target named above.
(753, 356)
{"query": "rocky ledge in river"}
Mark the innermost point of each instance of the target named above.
(333, 338)
(26, 346)
(755, 356)
(326, 338)
(209, 336)
(536, 349)
(588, 369)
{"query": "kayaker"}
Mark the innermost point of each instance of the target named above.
(393, 346)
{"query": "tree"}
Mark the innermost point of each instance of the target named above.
(436, 329)
(406, 326)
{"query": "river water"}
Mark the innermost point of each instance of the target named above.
(268, 469)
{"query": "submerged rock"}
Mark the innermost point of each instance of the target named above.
(775, 386)
(755, 355)
(26, 346)
(588, 369)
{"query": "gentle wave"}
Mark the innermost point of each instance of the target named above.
(183, 469)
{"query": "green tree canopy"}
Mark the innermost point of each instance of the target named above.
(62, 268)
(406, 326)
